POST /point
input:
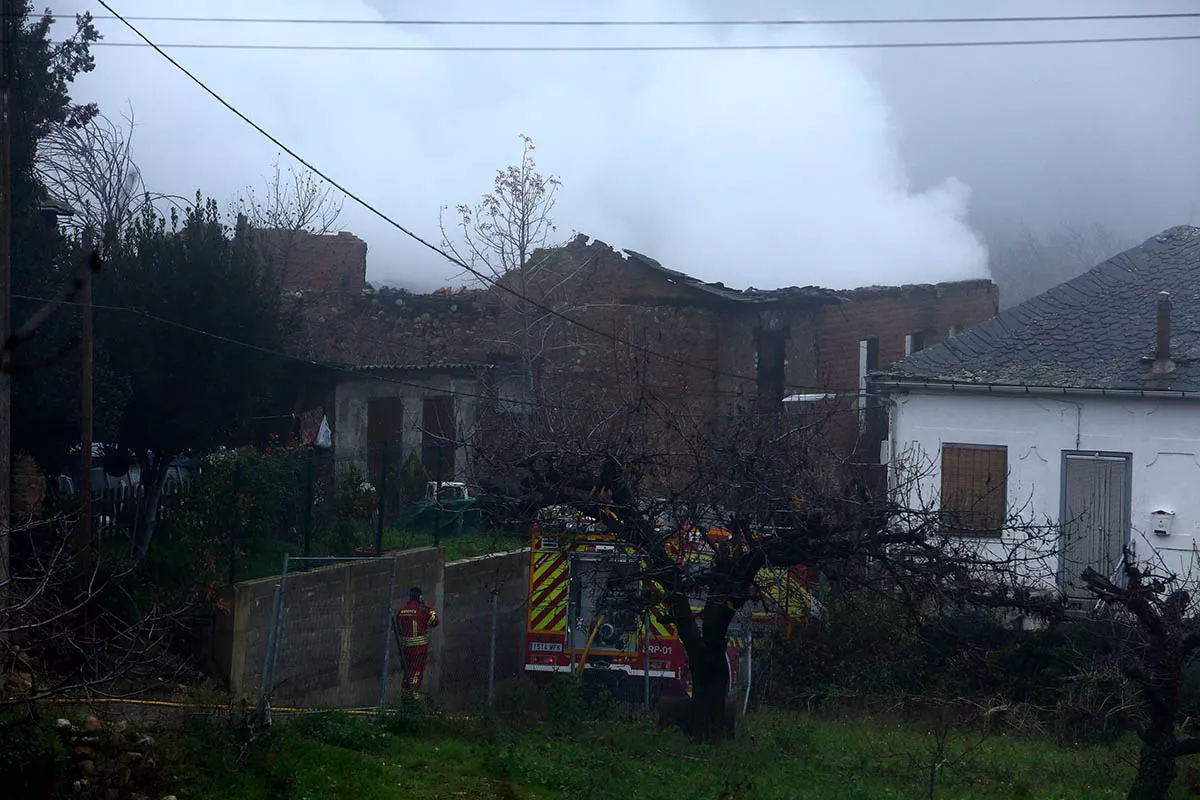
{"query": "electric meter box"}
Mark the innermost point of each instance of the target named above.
(1162, 522)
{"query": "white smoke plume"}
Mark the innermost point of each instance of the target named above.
(753, 168)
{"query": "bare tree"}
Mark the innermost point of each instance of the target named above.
(756, 491)
(91, 168)
(498, 239)
(1158, 606)
(292, 200)
(72, 624)
(293, 205)
(498, 235)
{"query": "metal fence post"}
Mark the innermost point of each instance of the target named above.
(236, 523)
(646, 659)
(282, 614)
(264, 677)
(749, 667)
(385, 680)
(309, 479)
(383, 469)
(271, 657)
(437, 497)
(491, 684)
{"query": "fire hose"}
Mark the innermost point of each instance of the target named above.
(587, 647)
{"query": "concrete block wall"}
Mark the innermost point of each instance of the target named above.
(466, 627)
(335, 619)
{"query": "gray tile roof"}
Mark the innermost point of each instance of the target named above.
(1095, 331)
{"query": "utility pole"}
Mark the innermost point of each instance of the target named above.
(7, 7)
(85, 477)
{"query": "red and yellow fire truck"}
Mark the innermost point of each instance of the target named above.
(584, 585)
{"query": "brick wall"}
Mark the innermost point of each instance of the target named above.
(309, 262)
(888, 315)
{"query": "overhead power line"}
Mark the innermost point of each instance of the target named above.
(487, 279)
(360, 374)
(644, 48)
(649, 23)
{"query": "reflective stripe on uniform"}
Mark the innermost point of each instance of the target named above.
(414, 641)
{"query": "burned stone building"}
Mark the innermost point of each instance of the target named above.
(424, 372)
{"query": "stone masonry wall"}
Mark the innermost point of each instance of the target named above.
(693, 345)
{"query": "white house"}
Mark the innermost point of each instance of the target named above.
(1080, 406)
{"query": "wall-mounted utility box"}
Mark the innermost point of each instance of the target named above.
(1162, 522)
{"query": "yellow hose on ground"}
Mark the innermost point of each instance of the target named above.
(97, 701)
(588, 647)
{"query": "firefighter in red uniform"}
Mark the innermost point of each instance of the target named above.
(413, 623)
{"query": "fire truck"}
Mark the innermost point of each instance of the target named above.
(585, 586)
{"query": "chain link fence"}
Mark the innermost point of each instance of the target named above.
(250, 506)
(322, 635)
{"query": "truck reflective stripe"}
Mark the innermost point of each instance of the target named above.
(548, 592)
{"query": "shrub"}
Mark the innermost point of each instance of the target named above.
(411, 479)
(264, 512)
(355, 496)
(31, 757)
(570, 701)
(865, 648)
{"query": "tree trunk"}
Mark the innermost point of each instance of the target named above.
(154, 475)
(705, 644)
(710, 690)
(1156, 771)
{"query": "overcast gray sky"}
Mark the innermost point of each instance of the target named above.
(838, 168)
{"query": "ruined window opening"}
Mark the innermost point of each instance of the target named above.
(438, 436)
(385, 424)
(514, 394)
(772, 360)
(974, 489)
(868, 362)
(914, 343)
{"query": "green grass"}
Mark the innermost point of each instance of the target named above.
(775, 756)
(260, 558)
(466, 545)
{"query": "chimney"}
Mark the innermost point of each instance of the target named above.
(1162, 350)
(1163, 363)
